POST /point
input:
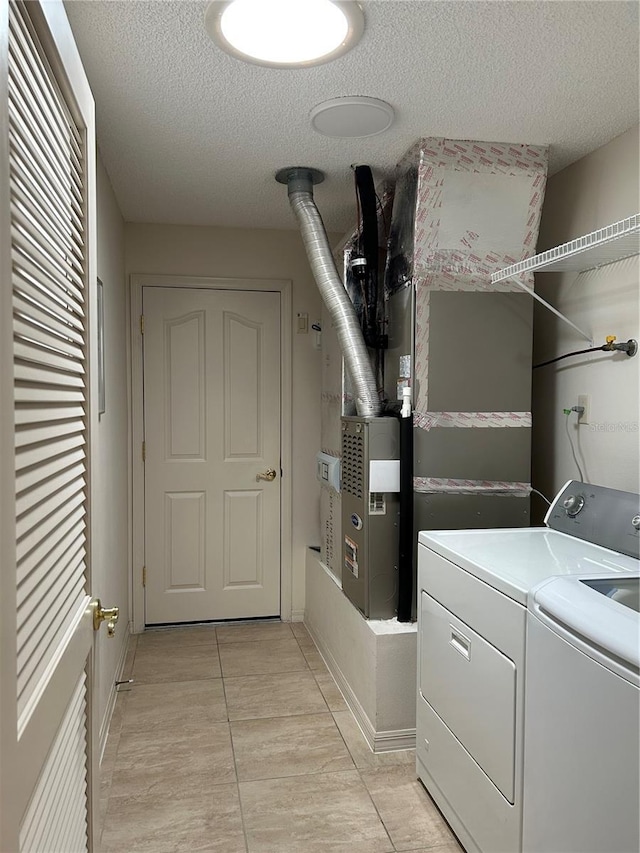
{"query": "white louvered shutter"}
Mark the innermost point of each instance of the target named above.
(49, 254)
(47, 185)
(56, 818)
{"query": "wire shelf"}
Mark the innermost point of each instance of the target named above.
(605, 246)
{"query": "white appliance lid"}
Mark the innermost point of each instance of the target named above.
(513, 560)
(603, 619)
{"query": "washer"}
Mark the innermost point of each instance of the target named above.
(582, 716)
(472, 616)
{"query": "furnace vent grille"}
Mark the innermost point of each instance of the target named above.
(353, 464)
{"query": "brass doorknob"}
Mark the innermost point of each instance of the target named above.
(105, 614)
(269, 475)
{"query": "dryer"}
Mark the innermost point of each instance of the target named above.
(472, 614)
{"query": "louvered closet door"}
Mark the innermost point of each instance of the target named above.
(47, 731)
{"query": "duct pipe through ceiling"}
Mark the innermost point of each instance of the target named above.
(300, 181)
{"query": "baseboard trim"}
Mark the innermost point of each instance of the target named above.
(388, 741)
(394, 740)
(113, 694)
(297, 615)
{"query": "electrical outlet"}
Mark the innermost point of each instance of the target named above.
(584, 400)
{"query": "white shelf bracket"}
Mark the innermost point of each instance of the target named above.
(531, 292)
(608, 245)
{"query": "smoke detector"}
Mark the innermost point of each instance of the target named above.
(352, 117)
(285, 33)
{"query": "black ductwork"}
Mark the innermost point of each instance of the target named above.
(368, 249)
(405, 522)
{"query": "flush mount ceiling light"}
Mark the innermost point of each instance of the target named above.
(285, 33)
(352, 117)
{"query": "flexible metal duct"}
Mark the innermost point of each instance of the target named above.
(300, 183)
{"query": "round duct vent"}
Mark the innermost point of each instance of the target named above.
(352, 117)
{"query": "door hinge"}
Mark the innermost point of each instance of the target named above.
(142, 324)
(144, 576)
(144, 451)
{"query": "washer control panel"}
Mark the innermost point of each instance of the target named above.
(573, 504)
(606, 517)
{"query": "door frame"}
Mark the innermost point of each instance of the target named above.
(284, 288)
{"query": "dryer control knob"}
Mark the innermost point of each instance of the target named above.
(636, 521)
(573, 504)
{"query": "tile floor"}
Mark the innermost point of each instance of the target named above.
(236, 739)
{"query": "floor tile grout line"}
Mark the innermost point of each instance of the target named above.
(286, 717)
(333, 714)
(335, 683)
(242, 821)
(315, 680)
(364, 784)
(221, 676)
(261, 640)
(324, 773)
(318, 713)
(297, 776)
(270, 674)
(438, 847)
(214, 786)
(235, 767)
(176, 681)
(235, 764)
(277, 672)
(267, 639)
(160, 648)
(281, 717)
(327, 671)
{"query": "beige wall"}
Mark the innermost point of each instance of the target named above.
(111, 546)
(239, 253)
(596, 191)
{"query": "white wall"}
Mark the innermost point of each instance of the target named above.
(240, 253)
(111, 546)
(596, 191)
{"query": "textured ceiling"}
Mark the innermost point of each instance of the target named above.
(190, 135)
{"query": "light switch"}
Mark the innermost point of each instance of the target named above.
(303, 324)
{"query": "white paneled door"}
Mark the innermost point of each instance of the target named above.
(47, 255)
(212, 454)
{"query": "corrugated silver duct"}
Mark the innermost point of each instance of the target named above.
(300, 183)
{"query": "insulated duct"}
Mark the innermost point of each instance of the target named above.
(300, 181)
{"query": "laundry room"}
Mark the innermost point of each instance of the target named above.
(320, 388)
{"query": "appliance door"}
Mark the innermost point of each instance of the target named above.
(471, 685)
(581, 770)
